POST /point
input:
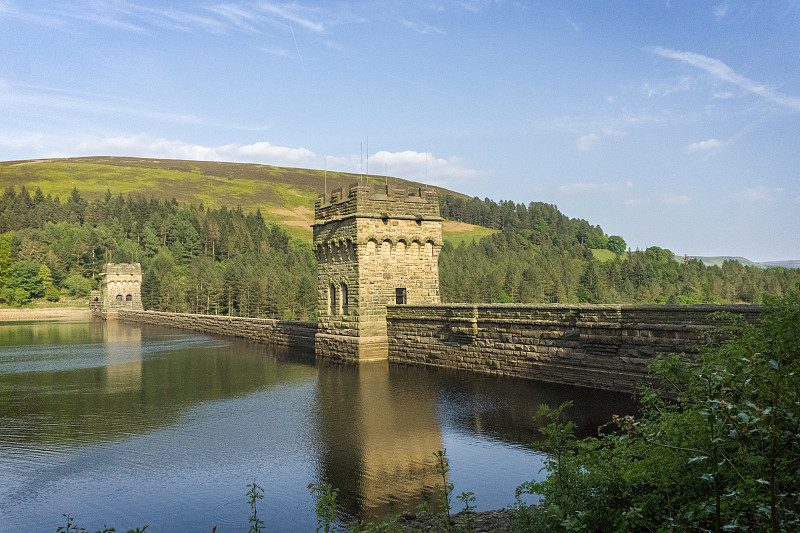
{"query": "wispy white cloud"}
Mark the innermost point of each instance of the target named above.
(21, 98)
(133, 17)
(571, 23)
(721, 9)
(755, 194)
(635, 202)
(723, 72)
(421, 27)
(708, 145)
(143, 145)
(683, 84)
(279, 52)
(590, 141)
(677, 200)
(415, 165)
(241, 18)
(10, 11)
(294, 13)
(595, 188)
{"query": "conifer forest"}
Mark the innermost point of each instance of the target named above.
(226, 261)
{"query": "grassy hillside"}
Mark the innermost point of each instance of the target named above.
(604, 255)
(284, 195)
(457, 232)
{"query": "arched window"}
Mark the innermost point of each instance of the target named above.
(119, 298)
(344, 299)
(129, 298)
(332, 298)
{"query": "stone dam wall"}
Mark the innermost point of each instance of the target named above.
(596, 346)
(292, 334)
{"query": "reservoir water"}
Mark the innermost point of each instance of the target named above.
(130, 425)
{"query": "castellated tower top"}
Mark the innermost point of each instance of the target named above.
(373, 249)
(363, 202)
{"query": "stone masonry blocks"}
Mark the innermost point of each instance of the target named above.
(373, 248)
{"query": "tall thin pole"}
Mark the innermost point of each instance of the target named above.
(361, 176)
(325, 163)
(426, 169)
(367, 156)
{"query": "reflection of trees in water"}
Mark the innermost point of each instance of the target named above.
(379, 435)
(132, 393)
(30, 333)
(505, 407)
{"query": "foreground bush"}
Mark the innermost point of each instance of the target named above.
(724, 457)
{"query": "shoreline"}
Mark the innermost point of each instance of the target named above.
(45, 313)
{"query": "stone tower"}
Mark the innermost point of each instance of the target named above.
(122, 286)
(372, 249)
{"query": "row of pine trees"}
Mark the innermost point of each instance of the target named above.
(194, 259)
(226, 261)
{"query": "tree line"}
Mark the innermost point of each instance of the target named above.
(541, 255)
(194, 259)
(226, 261)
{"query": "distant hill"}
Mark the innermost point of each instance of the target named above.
(719, 259)
(792, 263)
(284, 195)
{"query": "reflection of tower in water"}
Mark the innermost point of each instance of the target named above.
(379, 439)
(123, 346)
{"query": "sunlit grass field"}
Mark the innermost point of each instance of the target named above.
(283, 195)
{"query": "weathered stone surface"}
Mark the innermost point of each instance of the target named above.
(368, 246)
(121, 286)
(605, 347)
(596, 346)
(293, 334)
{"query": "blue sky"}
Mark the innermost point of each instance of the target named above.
(671, 123)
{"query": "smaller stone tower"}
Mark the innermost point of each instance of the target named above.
(372, 249)
(122, 286)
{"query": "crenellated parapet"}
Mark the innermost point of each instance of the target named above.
(364, 202)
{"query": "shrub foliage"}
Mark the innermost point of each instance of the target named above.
(724, 456)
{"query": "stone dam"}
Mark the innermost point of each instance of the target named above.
(378, 300)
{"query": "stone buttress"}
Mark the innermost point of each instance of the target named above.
(372, 249)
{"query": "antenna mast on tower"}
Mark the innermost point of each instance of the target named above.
(426, 169)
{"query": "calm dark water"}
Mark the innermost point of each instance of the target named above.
(130, 425)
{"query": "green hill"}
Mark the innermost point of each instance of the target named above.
(284, 195)
(718, 260)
